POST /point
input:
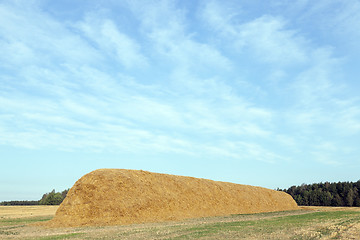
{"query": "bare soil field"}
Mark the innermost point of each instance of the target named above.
(17, 222)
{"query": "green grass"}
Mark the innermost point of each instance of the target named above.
(16, 221)
(267, 226)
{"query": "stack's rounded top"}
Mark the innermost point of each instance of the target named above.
(120, 196)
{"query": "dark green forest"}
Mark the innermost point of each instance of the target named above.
(340, 194)
(50, 198)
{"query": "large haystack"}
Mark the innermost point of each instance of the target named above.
(118, 196)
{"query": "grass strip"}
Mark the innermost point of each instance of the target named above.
(15, 221)
(267, 226)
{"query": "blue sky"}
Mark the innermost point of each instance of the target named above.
(255, 92)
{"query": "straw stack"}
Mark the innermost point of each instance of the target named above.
(119, 197)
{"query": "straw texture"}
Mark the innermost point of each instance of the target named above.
(119, 197)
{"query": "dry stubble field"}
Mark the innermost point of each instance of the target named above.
(306, 223)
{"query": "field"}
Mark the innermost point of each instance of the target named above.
(307, 223)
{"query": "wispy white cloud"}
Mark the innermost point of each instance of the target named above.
(89, 84)
(248, 151)
(271, 41)
(327, 22)
(330, 153)
(336, 15)
(26, 40)
(168, 29)
(347, 120)
(320, 96)
(105, 34)
(267, 36)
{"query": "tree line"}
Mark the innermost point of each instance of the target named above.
(340, 194)
(50, 198)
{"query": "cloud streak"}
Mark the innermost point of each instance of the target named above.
(250, 88)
